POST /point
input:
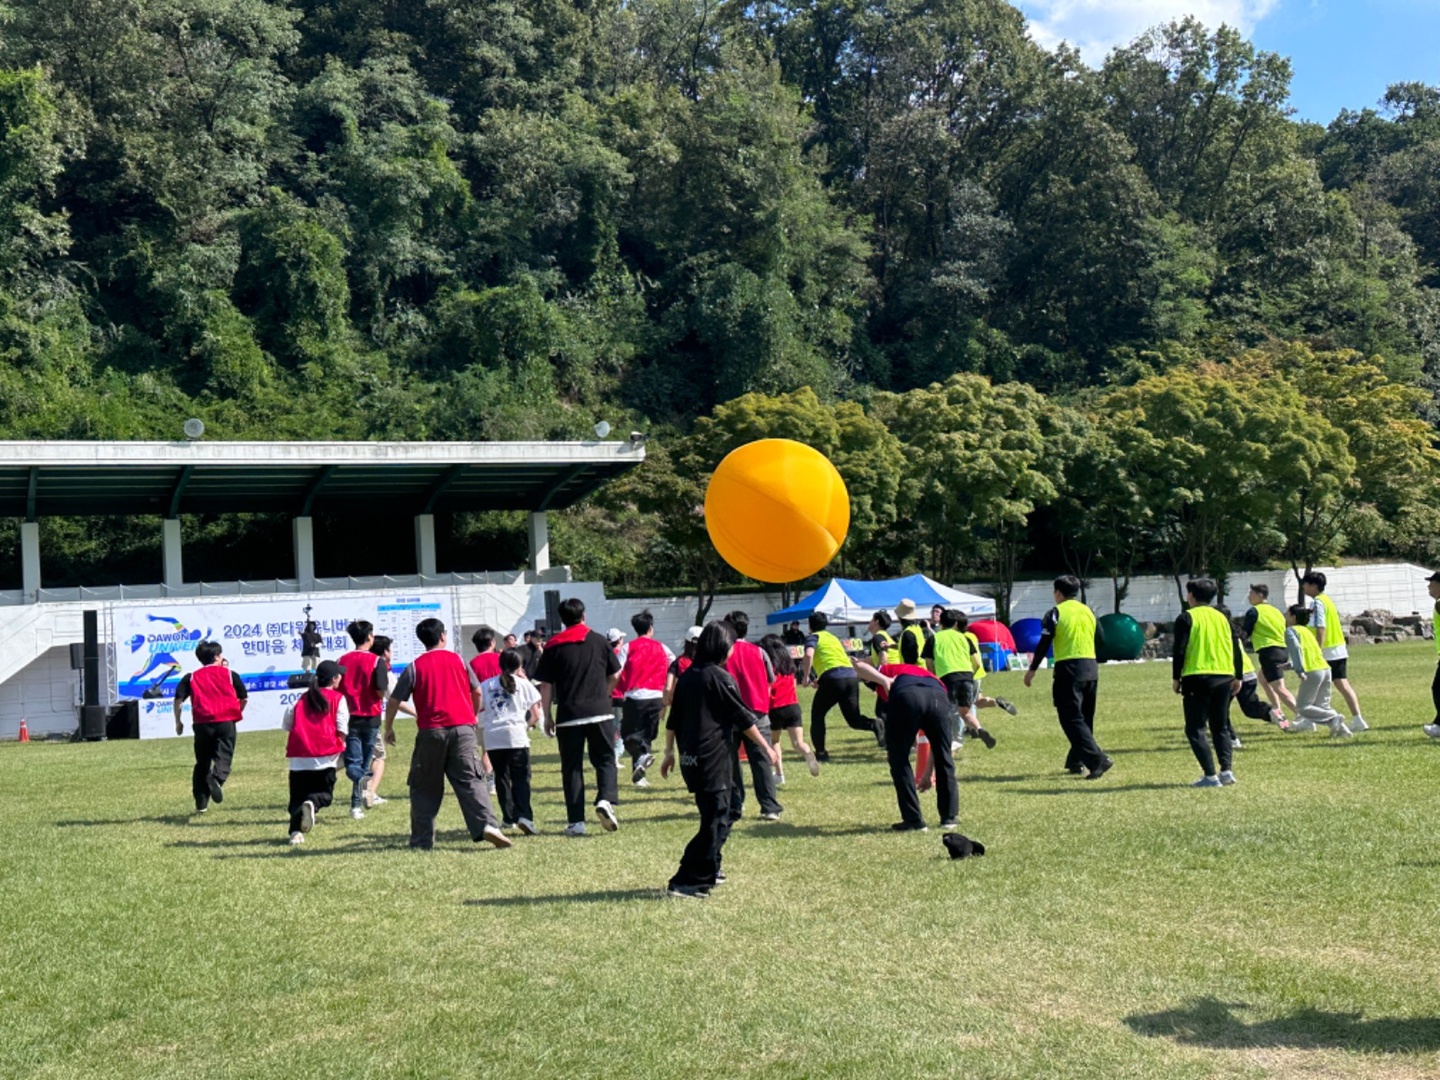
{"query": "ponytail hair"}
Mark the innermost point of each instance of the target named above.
(509, 665)
(315, 700)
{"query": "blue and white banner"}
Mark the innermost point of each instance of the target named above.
(154, 646)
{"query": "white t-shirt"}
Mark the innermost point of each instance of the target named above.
(504, 718)
(1317, 624)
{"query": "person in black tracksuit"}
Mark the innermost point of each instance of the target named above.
(706, 712)
(1205, 689)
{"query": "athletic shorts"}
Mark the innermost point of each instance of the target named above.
(964, 691)
(1338, 668)
(378, 754)
(786, 716)
(1274, 662)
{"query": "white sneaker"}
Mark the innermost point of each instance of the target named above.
(1207, 781)
(369, 798)
(642, 782)
(1338, 730)
(1236, 744)
(575, 828)
(1357, 724)
(494, 836)
(307, 816)
(769, 817)
(779, 779)
(297, 838)
(356, 813)
(527, 826)
(812, 763)
(376, 799)
(608, 821)
(1433, 730)
(1300, 723)
(1227, 778)
(490, 784)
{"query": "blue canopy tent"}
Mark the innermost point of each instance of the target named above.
(854, 602)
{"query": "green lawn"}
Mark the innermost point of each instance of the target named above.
(1129, 928)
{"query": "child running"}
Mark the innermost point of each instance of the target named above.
(217, 702)
(1312, 700)
(509, 708)
(785, 711)
(317, 727)
(707, 712)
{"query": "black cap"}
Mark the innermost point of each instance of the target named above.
(327, 670)
(962, 847)
(1434, 577)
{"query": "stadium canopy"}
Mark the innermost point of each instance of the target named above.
(168, 479)
(844, 600)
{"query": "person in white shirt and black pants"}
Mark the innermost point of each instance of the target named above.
(509, 708)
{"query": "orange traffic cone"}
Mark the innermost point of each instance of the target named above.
(744, 755)
(24, 731)
(922, 754)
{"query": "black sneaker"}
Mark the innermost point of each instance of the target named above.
(217, 793)
(1074, 770)
(1007, 706)
(985, 737)
(880, 733)
(1100, 770)
(689, 892)
(822, 755)
(909, 826)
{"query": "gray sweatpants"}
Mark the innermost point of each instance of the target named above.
(447, 753)
(1312, 700)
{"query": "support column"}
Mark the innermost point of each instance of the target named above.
(425, 544)
(302, 534)
(30, 560)
(539, 542)
(174, 575)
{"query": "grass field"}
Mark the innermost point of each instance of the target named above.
(1129, 928)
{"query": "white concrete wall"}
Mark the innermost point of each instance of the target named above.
(1395, 587)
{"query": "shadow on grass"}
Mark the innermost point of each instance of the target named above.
(772, 830)
(1212, 1023)
(1085, 787)
(209, 821)
(608, 896)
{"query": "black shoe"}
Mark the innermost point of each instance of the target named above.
(985, 737)
(1100, 770)
(822, 755)
(880, 733)
(217, 793)
(1074, 770)
(909, 826)
(1007, 706)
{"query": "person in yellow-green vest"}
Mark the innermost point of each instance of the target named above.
(828, 668)
(1264, 626)
(881, 646)
(1071, 628)
(1326, 626)
(1433, 729)
(1207, 669)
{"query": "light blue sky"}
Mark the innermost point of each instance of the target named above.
(1343, 52)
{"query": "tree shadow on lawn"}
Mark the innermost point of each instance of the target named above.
(607, 896)
(188, 818)
(1084, 787)
(1212, 1023)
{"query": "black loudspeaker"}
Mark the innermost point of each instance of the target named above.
(92, 722)
(77, 655)
(552, 612)
(301, 680)
(124, 721)
(91, 666)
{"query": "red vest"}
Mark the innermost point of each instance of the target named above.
(894, 671)
(645, 666)
(783, 692)
(212, 696)
(747, 666)
(486, 665)
(442, 690)
(358, 685)
(316, 736)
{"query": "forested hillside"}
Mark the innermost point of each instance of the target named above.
(455, 219)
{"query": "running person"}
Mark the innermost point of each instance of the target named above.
(785, 711)
(316, 723)
(750, 667)
(1206, 672)
(948, 655)
(828, 665)
(1264, 625)
(381, 648)
(219, 703)
(918, 703)
(1325, 624)
(1306, 658)
(881, 644)
(1070, 627)
(642, 690)
(365, 683)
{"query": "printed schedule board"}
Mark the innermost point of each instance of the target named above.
(154, 646)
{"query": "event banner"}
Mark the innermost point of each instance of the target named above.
(155, 646)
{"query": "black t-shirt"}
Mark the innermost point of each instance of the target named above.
(580, 673)
(310, 641)
(182, 692)
(704, 715)
(529, 659)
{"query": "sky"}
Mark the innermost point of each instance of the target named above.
(1344, 53)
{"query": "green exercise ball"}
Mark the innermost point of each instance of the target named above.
(1121, 638)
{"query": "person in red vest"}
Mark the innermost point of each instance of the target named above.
(317, 727)
(217, 702)
(642, 688)
(447, 699)
(916, 701)
(486, 661)
(365, 684)
(785, 714)
(750, 667)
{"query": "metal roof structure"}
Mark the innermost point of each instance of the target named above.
(167, 479)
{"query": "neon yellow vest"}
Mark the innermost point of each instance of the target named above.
(1334, 632)
(916, 631)
(877, 657)
(1247, 666)
(976, 655)
(1074, 632)
(829, 654)
(1310, 654)
(1269, 632)
(952, 653)
(1211, 650)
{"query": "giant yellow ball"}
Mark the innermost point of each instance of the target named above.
(777, 510)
